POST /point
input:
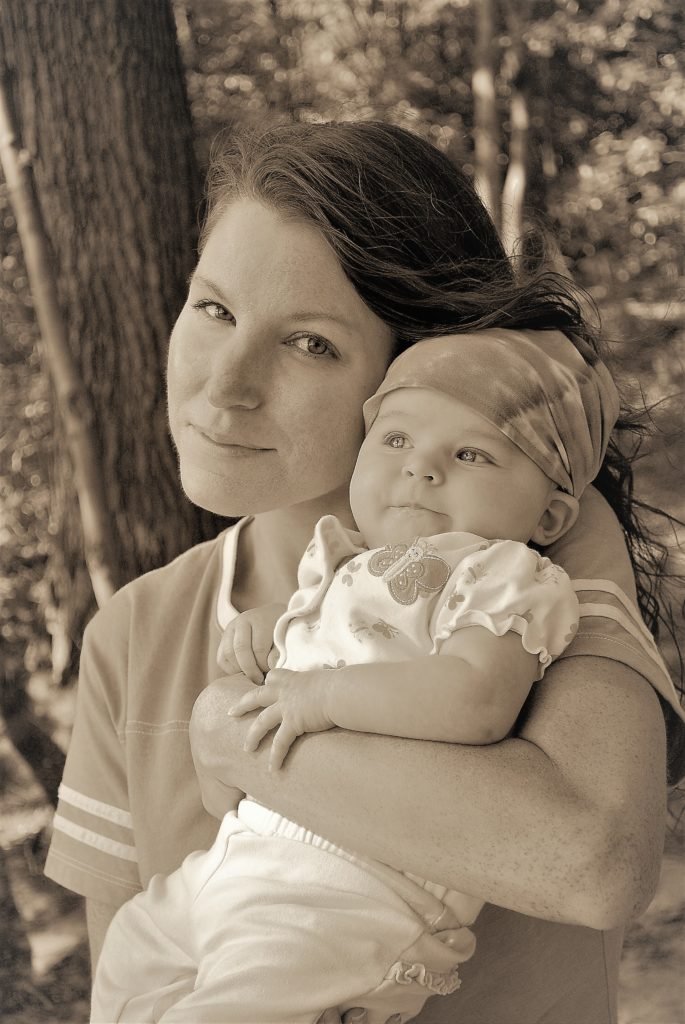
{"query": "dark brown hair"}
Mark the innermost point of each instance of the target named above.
(417, 243)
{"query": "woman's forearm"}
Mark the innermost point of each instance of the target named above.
(564, 822)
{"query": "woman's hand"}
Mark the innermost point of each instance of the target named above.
(357, 1015)
(294, 703)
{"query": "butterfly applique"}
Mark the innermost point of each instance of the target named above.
(409, 571)
(350, 568)
(385, 629)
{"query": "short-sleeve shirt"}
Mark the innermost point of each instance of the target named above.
(130, 803)
(356, 605)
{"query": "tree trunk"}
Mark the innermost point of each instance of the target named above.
(516, 179)
(485, 120)
(97, 89)
(71, 397)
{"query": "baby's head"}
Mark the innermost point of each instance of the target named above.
(495, 433)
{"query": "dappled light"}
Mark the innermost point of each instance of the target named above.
(565, 112)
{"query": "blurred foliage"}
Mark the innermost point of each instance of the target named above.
(605, 86)
(25, 454)
(604, 82)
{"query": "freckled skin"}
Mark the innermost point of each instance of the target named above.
(251, 369)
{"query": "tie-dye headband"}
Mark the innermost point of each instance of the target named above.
(552, 397)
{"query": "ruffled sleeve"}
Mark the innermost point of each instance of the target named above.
(508, 586)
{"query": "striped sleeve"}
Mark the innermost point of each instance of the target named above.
(93, 848)
(611, 627)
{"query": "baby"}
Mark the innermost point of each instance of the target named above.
(433, 622)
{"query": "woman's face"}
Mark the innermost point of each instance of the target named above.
(270, 362)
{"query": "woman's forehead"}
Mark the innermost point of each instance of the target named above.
(268, 263)
(256, 247)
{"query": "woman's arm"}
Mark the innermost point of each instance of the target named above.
(563, 822)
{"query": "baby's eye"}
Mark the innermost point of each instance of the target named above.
(313, 345)
(471, 456)
(395, 440)
(214, 310)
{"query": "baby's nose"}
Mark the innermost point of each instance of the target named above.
(422, 468)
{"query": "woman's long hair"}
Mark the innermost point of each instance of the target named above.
(421, 250)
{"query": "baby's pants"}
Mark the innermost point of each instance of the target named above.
(272, 925)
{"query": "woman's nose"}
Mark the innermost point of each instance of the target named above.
(239, 374)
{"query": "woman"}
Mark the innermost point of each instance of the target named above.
(326, 250)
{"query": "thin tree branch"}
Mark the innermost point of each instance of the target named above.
(516, 178)
(72, 400)
(485, 121)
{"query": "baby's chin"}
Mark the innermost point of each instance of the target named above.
(402, 526)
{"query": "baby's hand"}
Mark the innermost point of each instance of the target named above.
(293, 703)
(247, 643)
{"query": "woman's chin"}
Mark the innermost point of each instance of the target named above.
(211, 492)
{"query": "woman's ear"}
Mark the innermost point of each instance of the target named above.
(559, 516)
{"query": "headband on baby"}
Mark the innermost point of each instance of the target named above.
(552, 397)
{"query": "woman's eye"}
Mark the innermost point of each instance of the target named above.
(313, 345)
(471, 456)
(214, 310)
(395, 440)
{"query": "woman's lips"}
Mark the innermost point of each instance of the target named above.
(226, 443)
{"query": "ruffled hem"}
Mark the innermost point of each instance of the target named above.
(442, 984)
(511, 623)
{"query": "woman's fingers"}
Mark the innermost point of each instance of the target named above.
(329, 1017)
(263, 723)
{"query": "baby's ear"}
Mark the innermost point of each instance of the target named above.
(557, 519)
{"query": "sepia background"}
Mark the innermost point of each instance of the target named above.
(568, 113)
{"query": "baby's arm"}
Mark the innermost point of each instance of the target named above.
(456, 696)
(248, 641)
(452, 696)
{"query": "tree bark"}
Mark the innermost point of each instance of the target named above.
(98, 91)
(72, 400)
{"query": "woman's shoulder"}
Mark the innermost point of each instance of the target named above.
(168, 593)
(594, 548)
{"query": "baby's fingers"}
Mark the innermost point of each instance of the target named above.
(282, 742)
(250, 701)
(244, 653)
(263, 723)
(226, 659)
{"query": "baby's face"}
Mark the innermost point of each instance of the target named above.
(431, 465)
